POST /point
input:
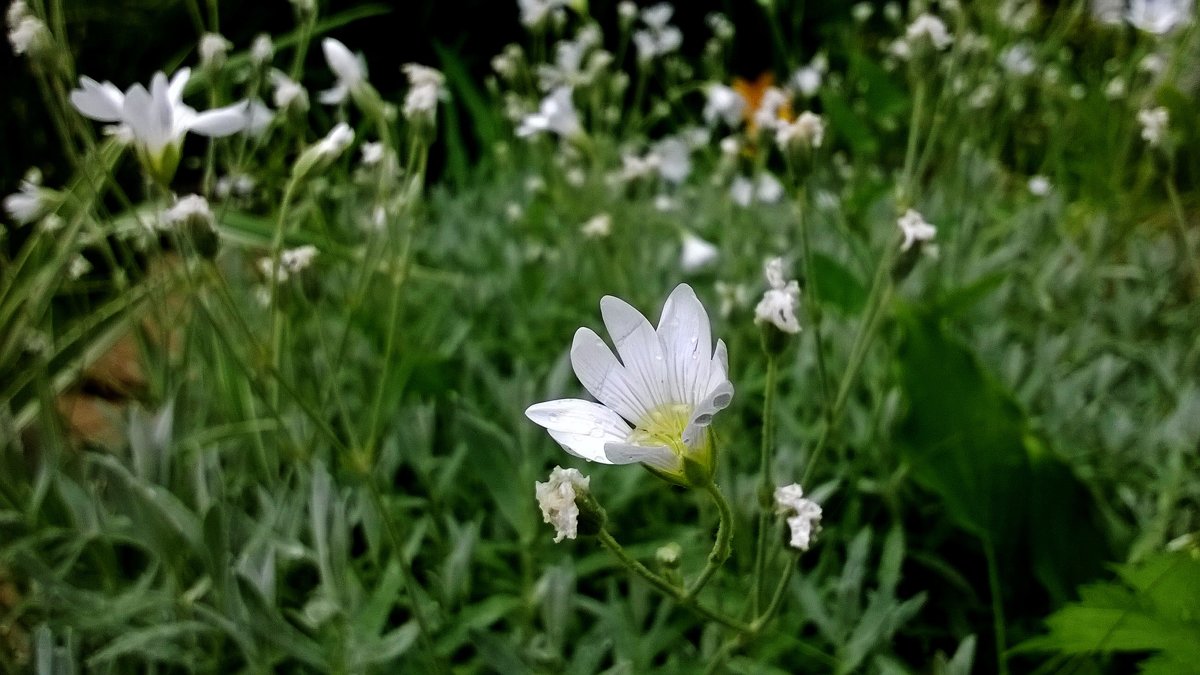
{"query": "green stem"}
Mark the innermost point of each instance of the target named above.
(997, 608)
(667, 588)
(721, 547)
(766, 484)
(881, 289)
(1181, 222)
(776, 597)
(410, 580)
(812, 299)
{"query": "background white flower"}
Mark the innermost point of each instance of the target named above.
(556, 497)
(914, 228)
(351, 71)
(778, 304)
(556, 114)
(156, 119)
(696, 253)
(804, 515)
(657, 401)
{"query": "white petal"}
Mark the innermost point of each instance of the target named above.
(656, 456)
(142, 117)
(178, 81)
(581, 427)
(686, 337)
(221, 121)
(639, 348)
(335, 95)
(341, 61)
(603, 376)
(717, 400)
(718, 370)
(101, 102)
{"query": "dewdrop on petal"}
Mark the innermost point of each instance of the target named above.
(803, 515)
(557, 499)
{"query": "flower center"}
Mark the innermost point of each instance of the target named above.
(664, 426)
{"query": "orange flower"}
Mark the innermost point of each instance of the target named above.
(752, 91)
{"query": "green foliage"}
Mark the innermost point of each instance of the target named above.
(1151, 607)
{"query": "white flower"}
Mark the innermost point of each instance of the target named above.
(288, 93)
(674, 160)
(26, 32)
(351, 71)
(626, 10)
(769, 190)
(1155, 122)
(79, 267)
(425, 88)
(534, 12)
(213, 49)
(1017, 60)
(724, 104)
(720, 25)
(556, 497)
(372, 153)
(597, 227)
(768, 116)
(660, 38)
(745, 192)
(657, 401)
(240, 185)
(807, 131)
(862, 11)
(696, 253)
(1039, 186)
(804, 515)
(262, 50)
(296, 260)
(808, 78)
(156, 119)
(1159, 16)
(663, 202)
(335, 142)
(778, 304)
(1115, 89)
(258, 117)
(1107, 12)
(190, 208)
(324, 151)
(931, 28)
(1152, 64)
(556, 114)
(29, 202)
(732, 296)
(914, 228)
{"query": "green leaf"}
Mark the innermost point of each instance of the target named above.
(963, 434)
(837, 285)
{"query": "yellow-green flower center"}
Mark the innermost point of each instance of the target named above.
(664, 426)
